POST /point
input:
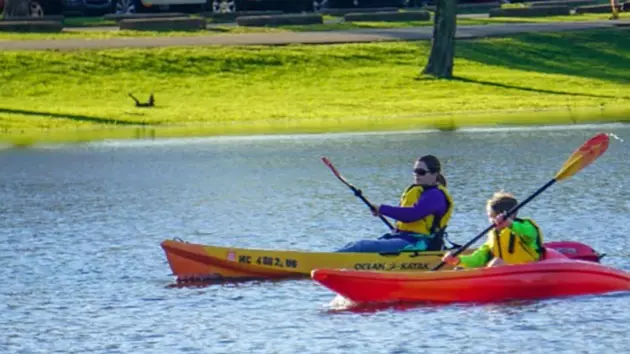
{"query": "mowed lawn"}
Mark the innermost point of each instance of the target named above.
(255, 87)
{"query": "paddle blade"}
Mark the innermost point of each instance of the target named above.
(333, 169)
(337, 174)
(330, 165)
(582, 157)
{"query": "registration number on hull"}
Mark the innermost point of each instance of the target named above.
(268, 261)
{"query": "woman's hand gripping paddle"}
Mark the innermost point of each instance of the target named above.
(356, 191)
(582, 157)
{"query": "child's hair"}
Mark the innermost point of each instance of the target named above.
(501, 202)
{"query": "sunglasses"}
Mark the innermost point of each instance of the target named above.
(420, 172)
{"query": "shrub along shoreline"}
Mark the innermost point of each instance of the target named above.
(199, 91)
(112, 29)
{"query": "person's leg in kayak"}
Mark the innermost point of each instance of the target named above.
(383, 245)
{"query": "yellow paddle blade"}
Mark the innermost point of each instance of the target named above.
(582, 157)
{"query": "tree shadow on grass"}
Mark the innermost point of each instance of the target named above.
(535, 90)
(596, 54)
(75, 117)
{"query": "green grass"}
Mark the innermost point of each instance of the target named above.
(230, 29)
(239, 90)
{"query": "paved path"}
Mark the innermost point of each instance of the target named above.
(328, 37)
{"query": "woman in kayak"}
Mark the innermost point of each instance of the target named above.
(512, 241)
(423, 214)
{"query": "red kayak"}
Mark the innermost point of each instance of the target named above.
(556, 276)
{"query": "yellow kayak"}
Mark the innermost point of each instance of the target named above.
(195, 262)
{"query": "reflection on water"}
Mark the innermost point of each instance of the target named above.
(339, 304)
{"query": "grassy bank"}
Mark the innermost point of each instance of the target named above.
(240, 90)
(332, 24)
(444, 122)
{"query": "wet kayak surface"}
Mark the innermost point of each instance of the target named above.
(83, 271)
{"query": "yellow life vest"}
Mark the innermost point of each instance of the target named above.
(512, 249)
(429, 225)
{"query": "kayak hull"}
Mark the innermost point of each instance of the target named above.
(558, 277)
(196, 262)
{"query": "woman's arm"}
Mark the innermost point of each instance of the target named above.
(432, 201)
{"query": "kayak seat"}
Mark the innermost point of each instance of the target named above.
(426, 244)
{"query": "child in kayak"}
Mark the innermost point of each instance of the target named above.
(424, 211)
(512, 241)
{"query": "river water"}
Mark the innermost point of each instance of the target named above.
(82, 270)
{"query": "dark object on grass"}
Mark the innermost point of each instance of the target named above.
(149, 103)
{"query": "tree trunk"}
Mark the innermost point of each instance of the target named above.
(443, 43)
(16, 8)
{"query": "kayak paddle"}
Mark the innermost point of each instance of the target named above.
(582, 157)
(356, 191)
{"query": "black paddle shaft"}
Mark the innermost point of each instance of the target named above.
(359, 194)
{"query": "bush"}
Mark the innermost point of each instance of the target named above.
(231, 16)
(539, 11)
(31, 26)
(477, 7)
(278, 20)
(570, 3)
(118, 17)
(595, 9)
(342, 12)
(387, 16)
(163, 24)
(33, 19)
